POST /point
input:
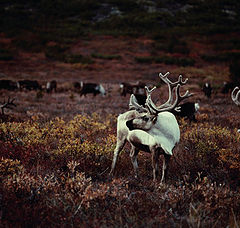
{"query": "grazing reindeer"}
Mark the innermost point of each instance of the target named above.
(136, 89)
(93, 88)
(228, 87)
(9, 104)
(51, 86)
(187, 110)
(29, 85)
(8, 84)
(207, 89)
(151, 129)
(129, 88)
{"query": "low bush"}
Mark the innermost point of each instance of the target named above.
(211, 150)
(55, 173)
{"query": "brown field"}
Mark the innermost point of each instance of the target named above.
(53, 189)
(67, 103)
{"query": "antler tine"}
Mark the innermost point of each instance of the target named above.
(181, 81)
(236, 98)
(173, 84)
(163, 76)
(180, 98)
(149, 91)
(149, 101)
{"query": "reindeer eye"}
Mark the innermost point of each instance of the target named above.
(145, 118)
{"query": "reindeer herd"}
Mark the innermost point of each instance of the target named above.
(145, 125)
(27, 85)
(186, 110)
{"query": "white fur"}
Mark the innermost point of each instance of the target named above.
(197, 106)
(48, 85)
(101, 89)
(81, 84)
(166, 131)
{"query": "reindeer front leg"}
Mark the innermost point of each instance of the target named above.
(133, 155)
(119, 147)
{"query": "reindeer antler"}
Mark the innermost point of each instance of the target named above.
(169, 105)
(236, 98)
(9, 104)
(171, 86)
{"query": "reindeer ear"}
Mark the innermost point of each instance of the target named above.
(154, 118)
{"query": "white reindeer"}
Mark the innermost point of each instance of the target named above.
(152, 129)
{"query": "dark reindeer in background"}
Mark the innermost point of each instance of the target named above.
(187, 110)
(207, 89)
(8, 84)
(137, 89)
(29, 85)
(51, 86)
(93, 88)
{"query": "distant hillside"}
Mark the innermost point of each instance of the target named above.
(33, 24)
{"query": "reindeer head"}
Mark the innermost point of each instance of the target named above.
(143, 121)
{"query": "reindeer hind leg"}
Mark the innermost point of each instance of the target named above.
(155, 156)
(166, 159)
